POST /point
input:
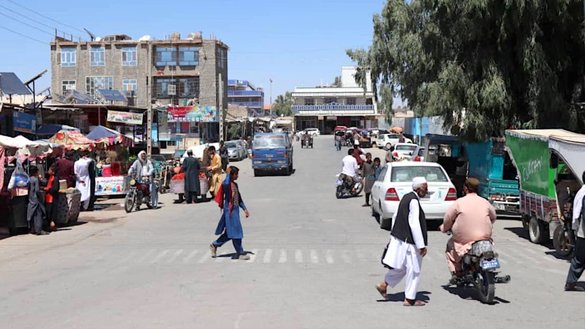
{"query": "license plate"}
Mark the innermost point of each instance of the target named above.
(269, 155)
(491, 264)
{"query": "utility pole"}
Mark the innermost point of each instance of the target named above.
(221, 110)
(149, 104)
(270, 98)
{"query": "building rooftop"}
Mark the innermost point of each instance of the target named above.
(10, 84)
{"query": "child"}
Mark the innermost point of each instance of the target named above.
(35, 210)
(52, 197)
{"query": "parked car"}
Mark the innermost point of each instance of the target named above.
(395, 180)
(386, 141)
(236, 150)
(313, 131)
(404, 151)
(419, 154)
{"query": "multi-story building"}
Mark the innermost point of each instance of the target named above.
(325, 107)
(181, 72)
(244, 93)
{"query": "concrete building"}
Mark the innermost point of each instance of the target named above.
(244, 93)
(181, 72)
(325, 107)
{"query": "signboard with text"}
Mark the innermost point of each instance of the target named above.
(24, 122)
(197, 113)
(128, 118)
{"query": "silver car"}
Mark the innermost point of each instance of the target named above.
(236, 150)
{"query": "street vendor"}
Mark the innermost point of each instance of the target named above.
(215, 169)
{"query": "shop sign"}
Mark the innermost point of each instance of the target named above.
(128, 118)
(197, 113)
(24, 122)
(115, 185)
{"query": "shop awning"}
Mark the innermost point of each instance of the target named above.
(72, 140)
(101, 134)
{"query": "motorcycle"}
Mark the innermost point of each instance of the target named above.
(348, 186)
(479, 269)
(138, 193)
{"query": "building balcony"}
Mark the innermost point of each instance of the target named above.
(248, 104)
(246, 93)
(334, 109)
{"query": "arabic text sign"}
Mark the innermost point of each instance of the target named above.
(125, 117)
(200, 113)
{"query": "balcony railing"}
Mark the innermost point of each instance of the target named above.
(244, 93)
(331, 107)
(248, 104)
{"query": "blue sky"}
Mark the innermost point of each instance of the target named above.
(294, 43)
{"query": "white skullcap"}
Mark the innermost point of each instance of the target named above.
(418, 182)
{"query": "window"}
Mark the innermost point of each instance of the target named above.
(188, 56)
(129, 56)
(68, 57)
(94, 83)
(129, 86)
(406, 174)
(166, 56)
(182, 87)
(369, 101)
(382, 174)
(350, 101)
(309, 101)
(67, 85)
(97, 56)
(329, 100)
(222, 58)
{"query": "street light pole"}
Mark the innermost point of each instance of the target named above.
(271, 97)
(149, 104)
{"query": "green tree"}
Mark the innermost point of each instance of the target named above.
(483, 66)
(283, 104)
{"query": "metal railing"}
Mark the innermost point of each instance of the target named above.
(332, 107)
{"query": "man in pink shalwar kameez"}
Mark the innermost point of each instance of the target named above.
(470, 219)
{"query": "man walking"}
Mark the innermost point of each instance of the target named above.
(191, 168)
(407, 245)
(230, 200)
(215, 170)
(578, 260)
(224, 154)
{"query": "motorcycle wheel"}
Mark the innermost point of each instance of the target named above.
(562, 242)
(485, 285)
(358, 191)
(129, 201)
(339, 192)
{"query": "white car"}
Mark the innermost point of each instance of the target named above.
(395, 181)
(388, 140)
(313, 131)
(404, 151)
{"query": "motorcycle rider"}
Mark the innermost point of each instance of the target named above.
(470, 219)
(141, 168)
(349, 168)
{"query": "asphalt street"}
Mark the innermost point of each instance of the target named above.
(315, 262)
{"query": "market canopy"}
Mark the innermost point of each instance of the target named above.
(26, 148)
(51, 129)
(103, 135)
(72, 140)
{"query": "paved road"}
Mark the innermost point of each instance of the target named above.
(314, 265)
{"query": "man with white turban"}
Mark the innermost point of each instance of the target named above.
(407, 246)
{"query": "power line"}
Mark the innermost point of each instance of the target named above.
(45, 16)
(23, 35)
(52, 28)
(27, 24)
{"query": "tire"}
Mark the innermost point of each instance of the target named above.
(338, 192)
(357, 192)
(486, 287)
(562, 242)
(256, 172)
(388, 146)
(129, 201)
(149, 204)
(525, 221)
(376, 215)
(537, 231)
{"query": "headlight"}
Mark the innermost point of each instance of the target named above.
(132, 182)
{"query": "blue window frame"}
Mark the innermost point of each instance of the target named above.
(166, 56)
(188, 56)
(97, 56)
(129, 86)
(129, 56)
(68, 56)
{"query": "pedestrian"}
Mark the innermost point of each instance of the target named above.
(407, 245)
(191, 168)
(378, 166)
(369, 173)
(578, 226)
(143, 171)
(357, 153)
(389, 156)
(224, 155)
(338, 141)
(230, 200)
(52, 197)
(91, 169)
(35, 210)
(83, 184)
(66, 171)
(215, 170)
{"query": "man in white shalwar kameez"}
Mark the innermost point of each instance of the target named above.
(407, 245)
(83, 184)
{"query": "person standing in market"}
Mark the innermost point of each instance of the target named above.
(83, 183)
(91, 168)
(369, 174)
(224, 155)
(52, 197)
(578, 226)
(191, 168)
(215, 170)
(407, 246)
(66, 171)
(229, 227)
(35, 210)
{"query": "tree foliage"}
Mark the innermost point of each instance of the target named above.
(283, 104)
(481, 65)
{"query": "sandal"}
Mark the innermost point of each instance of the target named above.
(382, 292)
(414, 303)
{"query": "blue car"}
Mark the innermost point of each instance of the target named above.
(272, 152)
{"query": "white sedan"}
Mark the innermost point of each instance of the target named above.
(395, 181)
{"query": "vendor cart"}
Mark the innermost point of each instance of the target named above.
(177, 185)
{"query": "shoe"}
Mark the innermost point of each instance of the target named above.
(410, 302)
(573, 287)
(43, 233)
(382, 291)
(365, 205)
(213, 250)
(244, 257)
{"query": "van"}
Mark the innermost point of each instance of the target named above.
(272, 152)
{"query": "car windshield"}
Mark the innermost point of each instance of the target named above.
(405, 147)
(407, 173)
(231, 145)
(421, 151)
(269, 141)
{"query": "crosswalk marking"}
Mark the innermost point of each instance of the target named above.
(175, 255)
(253, 256)
(191, 255)
(145, 256)
(160, 256)
(204, 258)
(267, 256)
(282, 257)
(329, 257)
(298, 256)
(314, 257)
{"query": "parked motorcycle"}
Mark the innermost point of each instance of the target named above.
(479, 267)
(348, 186)
(138, 193)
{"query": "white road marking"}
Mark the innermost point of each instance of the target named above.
(191, 255)
(298, 256)
(253, 255)
(204, 258)
(282, 257)
(329, 257)
(175, 255)
(160, 256)
(267, 256)
(314, 257)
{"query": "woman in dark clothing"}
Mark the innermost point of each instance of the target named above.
(36, 210)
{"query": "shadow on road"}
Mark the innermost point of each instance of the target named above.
(399, 297)
(469, 293)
